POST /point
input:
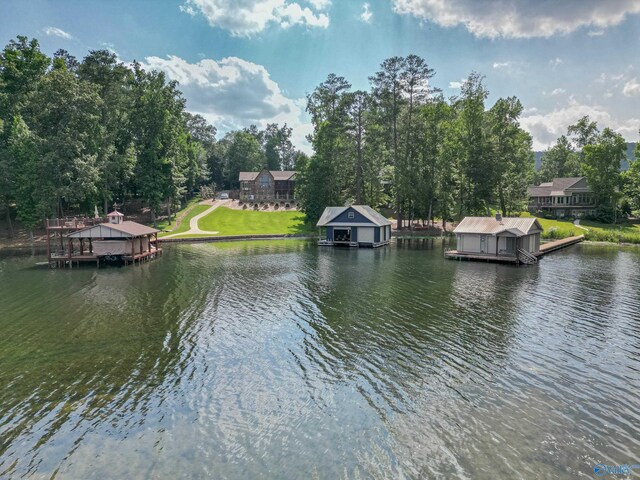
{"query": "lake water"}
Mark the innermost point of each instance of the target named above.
(285, 360)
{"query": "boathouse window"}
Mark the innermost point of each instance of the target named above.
(350, 215)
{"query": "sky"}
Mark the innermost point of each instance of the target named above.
(243, 62)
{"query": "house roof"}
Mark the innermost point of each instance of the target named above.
(276, 174)
(559, 187)
(121, 230)
(490, 226)
(115, 213)
(330, 213)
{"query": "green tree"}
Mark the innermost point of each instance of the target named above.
(243, 154)
(116, 155)
(476, 167)
(31, 193)
(64, 118)
(157, 125)
(321, 183)
(601, 166)
(559, 161)
(512, 158)
(22, 66)
(388, 90)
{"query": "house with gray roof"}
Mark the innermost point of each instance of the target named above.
(513, 240)
(562, 197)
(354, 226)
(267, 186)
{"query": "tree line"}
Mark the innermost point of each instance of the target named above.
(76, 135)
(597, 155)
(404, 144)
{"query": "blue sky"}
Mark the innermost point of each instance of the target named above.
(253, 61)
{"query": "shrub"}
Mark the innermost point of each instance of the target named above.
(286, 205)
(276, 206)
(244, 207)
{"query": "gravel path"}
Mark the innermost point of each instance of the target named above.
(193, 223)
(576, 222)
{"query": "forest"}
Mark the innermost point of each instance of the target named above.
(80, 135)
(405, 145)
(76, 135)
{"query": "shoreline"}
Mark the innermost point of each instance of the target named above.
(5, 244)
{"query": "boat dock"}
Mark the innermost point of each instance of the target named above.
(558, 244)
(518, 257)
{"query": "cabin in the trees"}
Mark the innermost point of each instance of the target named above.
(562, 197)
(84, 240)
(514, 240)
(267, 186)
(354, 226)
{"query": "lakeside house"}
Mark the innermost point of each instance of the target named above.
(75, 240)
(513, 240)
(267, 185)
(562, 197)
(354, 226)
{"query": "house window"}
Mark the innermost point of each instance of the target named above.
(264, 181)
(350, 215)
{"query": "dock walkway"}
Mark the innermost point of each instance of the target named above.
(558, 244)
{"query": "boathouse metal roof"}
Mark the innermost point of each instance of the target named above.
(519, 226)
(330, 213)
(126, 229)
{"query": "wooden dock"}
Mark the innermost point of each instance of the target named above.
(514, 258)
(558, 244)
(484, 257)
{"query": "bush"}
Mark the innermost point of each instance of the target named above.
(286, 205)
(244, 207)
(555, 233)
(276, 206)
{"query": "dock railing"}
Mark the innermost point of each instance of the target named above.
(73, 223)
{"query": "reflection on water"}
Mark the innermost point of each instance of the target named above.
(283, 360)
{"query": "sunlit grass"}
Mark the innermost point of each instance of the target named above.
(227, 221)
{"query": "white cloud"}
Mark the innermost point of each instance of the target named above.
(558, 91)
(366, 14)
(57, 32)
(320, 4)
(247, 17)
(554, 62)
(595, 33)
(631, 88)
(501, 64)
(455, 85)
(520, 18)
(546, 128)
(233, 93)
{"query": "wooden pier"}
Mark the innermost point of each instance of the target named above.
(558, 244)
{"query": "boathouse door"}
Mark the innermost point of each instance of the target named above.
(483, 244)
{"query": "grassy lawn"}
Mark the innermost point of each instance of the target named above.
(164, 224)
(227, 221)
(184, 225)
(598, 232)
